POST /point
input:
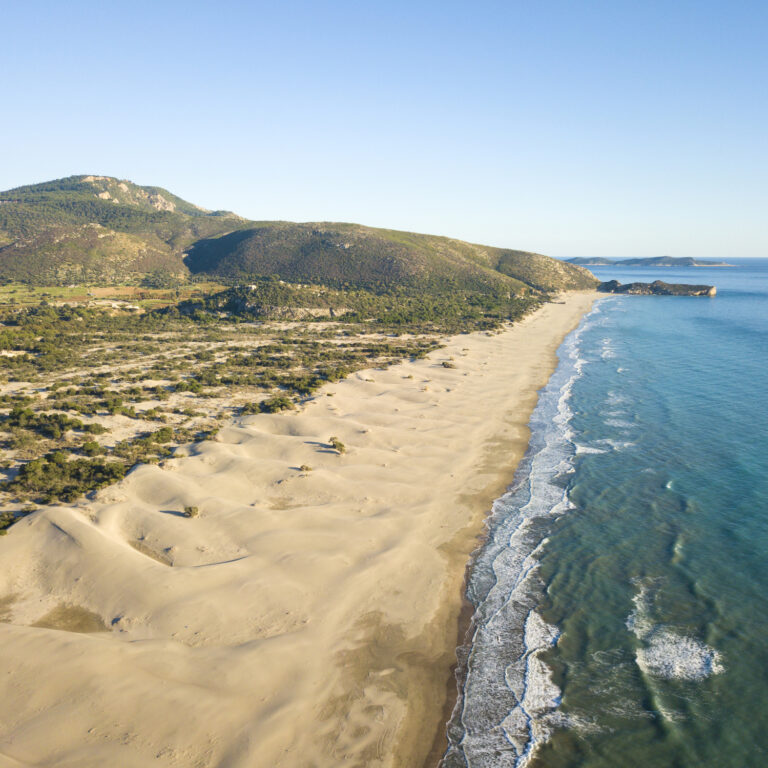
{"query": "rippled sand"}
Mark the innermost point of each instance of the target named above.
(304, 617)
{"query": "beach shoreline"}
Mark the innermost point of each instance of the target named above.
(310, 613)
(465, 610)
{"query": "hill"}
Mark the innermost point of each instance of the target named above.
(657, 288)
(655, 261)
(99, 229)
(597, 261)
(366, 257)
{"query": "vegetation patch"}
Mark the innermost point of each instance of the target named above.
(56, 476)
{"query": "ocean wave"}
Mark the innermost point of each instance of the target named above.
(665, 652)
(616, 445)
(616, 398)
(673, 656)
(506, 693)
(588, 449)
(607, 350)
(619, 423)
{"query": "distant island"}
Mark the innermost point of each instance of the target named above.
(655, 261)
(657, 288)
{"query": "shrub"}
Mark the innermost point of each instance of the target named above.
(163, 435)
(7, 519)
(270, 405)
(305, 468)
(52, 425)
(191, 511)
(54, 477)
(337, 445)
(275, 404)
(92, 448)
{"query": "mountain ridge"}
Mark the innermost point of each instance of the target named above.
(93, 228)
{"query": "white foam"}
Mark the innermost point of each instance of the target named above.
(541, 693)
(616, 398)
(665, 652)
(607, 351)
(589, 449)
(617, 445)
(525, 725)
(673, 656)
(505, 708)
(619, 423)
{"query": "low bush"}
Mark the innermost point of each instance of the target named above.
(92, 448)
(53, 477)
(270, 405)
(52, 425)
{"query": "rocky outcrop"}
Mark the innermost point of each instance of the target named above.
(657, 288)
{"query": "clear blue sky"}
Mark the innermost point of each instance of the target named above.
(571, 128)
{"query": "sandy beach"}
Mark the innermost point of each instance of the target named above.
(308, 614)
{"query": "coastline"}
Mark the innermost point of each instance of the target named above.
(307, 612)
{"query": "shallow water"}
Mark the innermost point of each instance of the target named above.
(621, 610)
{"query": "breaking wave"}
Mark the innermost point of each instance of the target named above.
(507, 699)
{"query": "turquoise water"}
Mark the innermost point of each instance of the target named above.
(622, 597)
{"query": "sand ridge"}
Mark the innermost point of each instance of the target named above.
(304, 617)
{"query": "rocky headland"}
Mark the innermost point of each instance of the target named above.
(657, 288)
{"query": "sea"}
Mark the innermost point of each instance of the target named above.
(621, 596)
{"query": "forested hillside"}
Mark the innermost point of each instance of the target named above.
(98, 229)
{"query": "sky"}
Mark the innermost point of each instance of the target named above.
(571, 128)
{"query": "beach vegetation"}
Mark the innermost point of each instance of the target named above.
(273, 404)
(57, 477)
(91, 448)
(78, 370)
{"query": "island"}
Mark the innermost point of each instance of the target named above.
(655, 261)
(657, 288)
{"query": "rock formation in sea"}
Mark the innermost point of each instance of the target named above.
(657, 288)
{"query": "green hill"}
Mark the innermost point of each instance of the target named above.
(98, 229)
(365, 257)
(596, 261)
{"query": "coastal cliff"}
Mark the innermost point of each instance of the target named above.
(657, 288)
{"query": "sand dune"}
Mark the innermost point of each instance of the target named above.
(303, 618)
